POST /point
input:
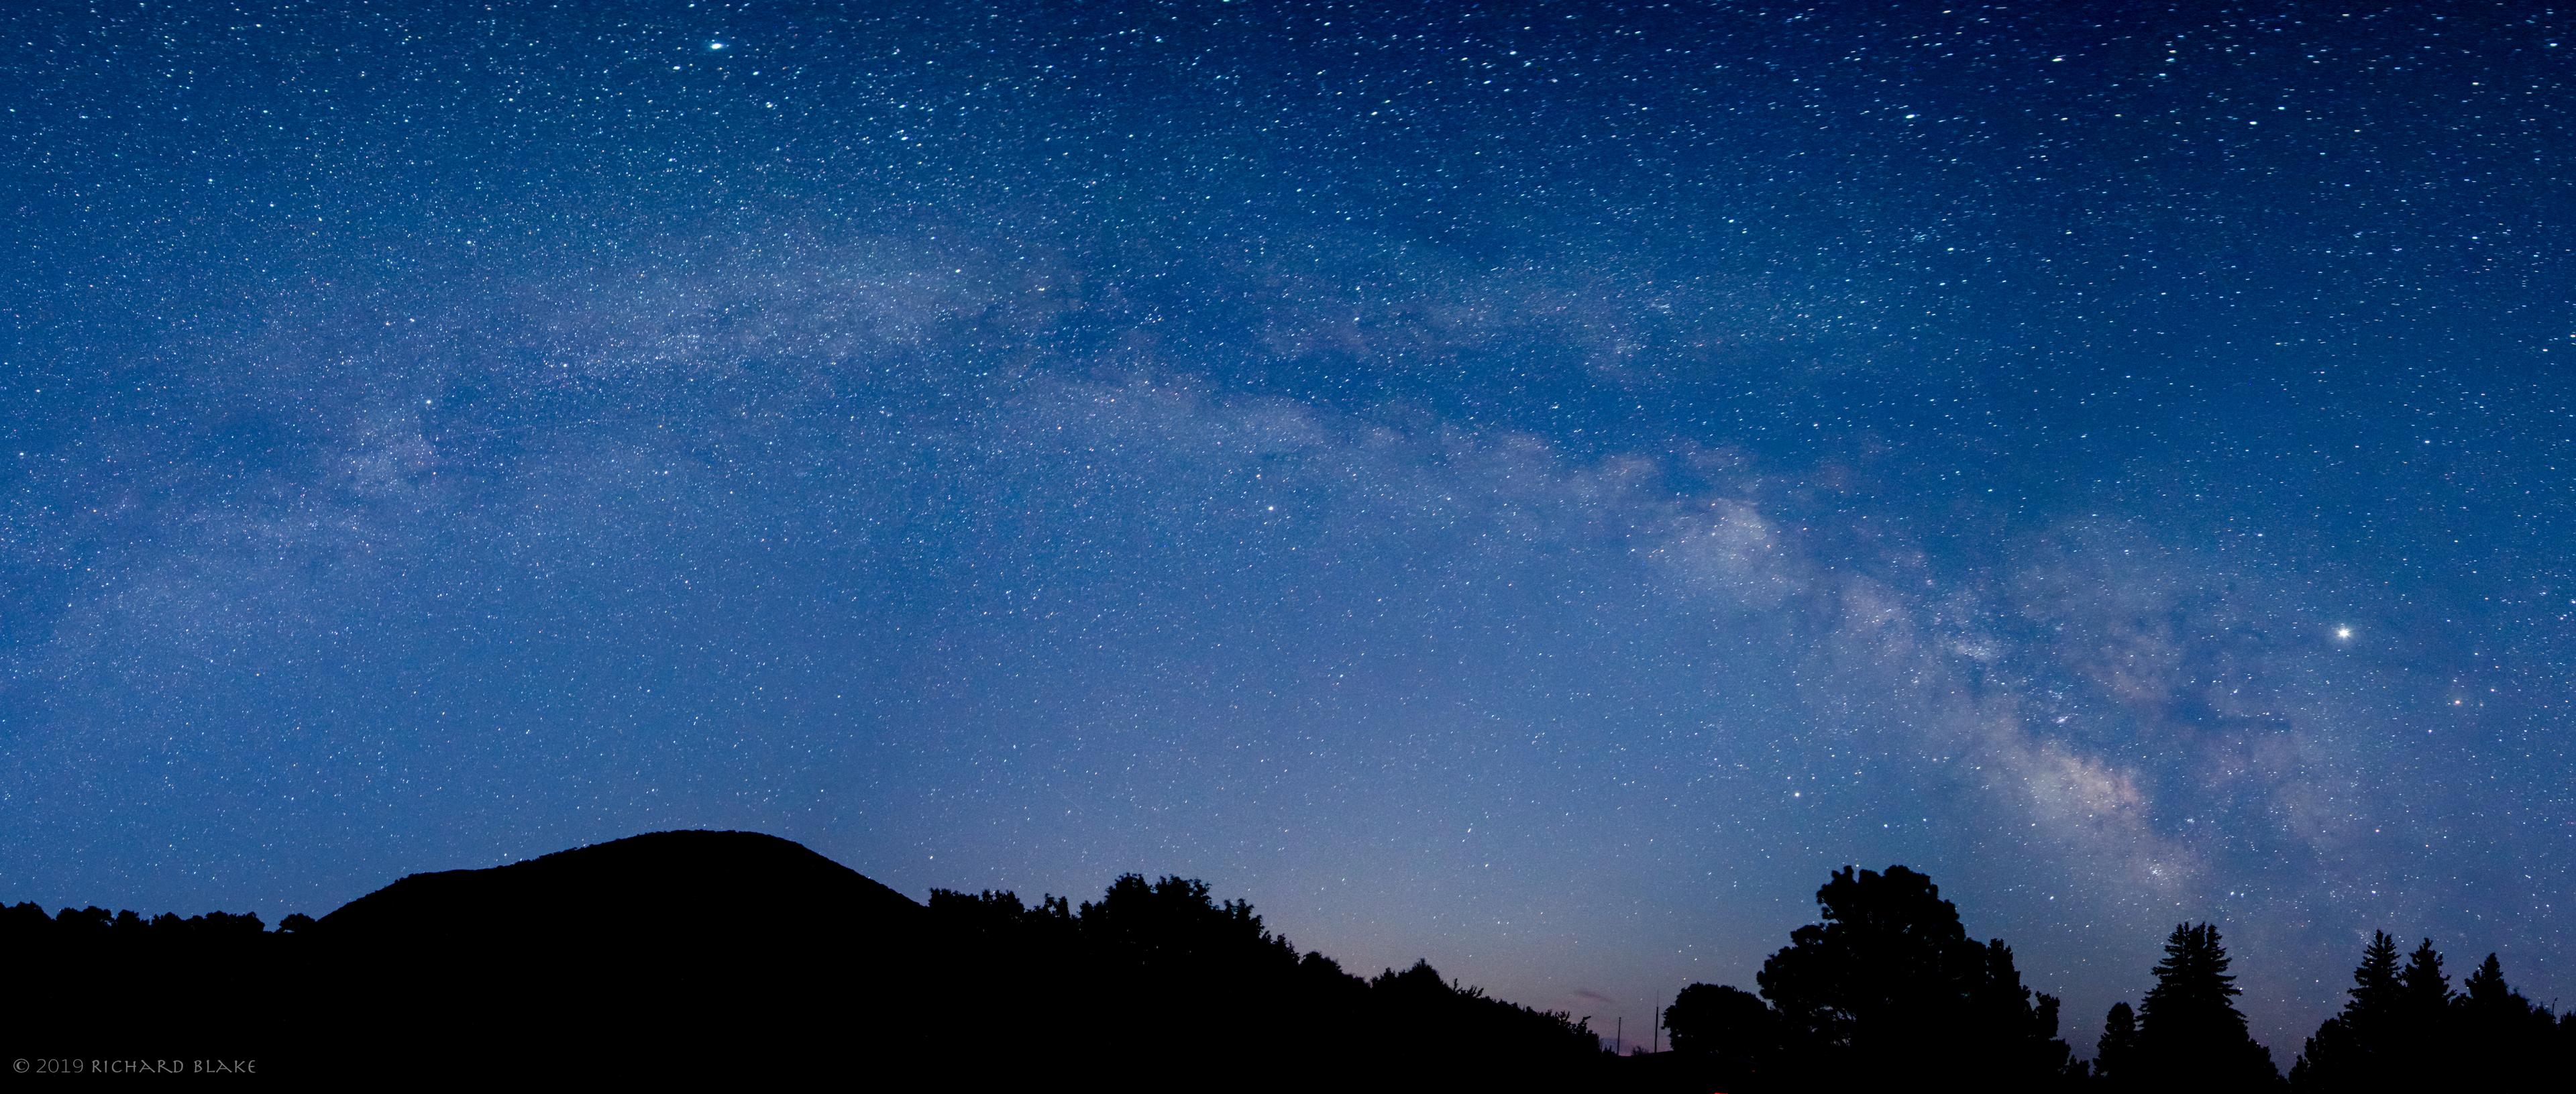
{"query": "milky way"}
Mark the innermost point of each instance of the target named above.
(1531, 487)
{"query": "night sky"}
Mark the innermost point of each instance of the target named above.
(1533, 487)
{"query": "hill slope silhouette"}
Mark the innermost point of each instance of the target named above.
(638, 890)
(697, 950)
(735, 955)
(675, 953)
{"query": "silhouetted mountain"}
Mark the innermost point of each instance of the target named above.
(734, 955)
(655, 947)
(677, 952)
(650, 916)
(734, 884)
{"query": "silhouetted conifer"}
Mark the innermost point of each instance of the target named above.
(2394, 1030)
(2190, 1033)
(2485, 989)
(2497, 1032)
(2423, 989)
(2374, 983)
(2420, 1041)
(2115, 1055)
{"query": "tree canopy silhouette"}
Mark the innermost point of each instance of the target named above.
(1887, 987)
(1730, 1028)
(2403, 1028)
(2496, 1027)
(2115, 1054)
(88, 981)
(1205, 981)
(2189, 1030)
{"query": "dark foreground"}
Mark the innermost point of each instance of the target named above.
(728, 955)
(737, 957)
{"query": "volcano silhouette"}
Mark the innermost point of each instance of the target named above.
(632, 956)
(740, 958)
(726, 892)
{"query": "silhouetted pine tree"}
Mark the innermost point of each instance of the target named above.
(2485, 990)
(2423, 989)
(2421, 1038)
(2496, 1032)
(2115, 1056)
(2387, 1017)
(2189, 1030)
(2374, 983)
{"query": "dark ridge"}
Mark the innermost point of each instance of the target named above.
(692, 954)
(698, 954)
(659, 884)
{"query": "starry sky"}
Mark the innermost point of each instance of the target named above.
(1529, 486)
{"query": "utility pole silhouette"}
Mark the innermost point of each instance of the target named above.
(1619, 1036)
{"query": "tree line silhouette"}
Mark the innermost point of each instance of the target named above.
(732, 954)
(1889, 990)
(1193, 979)
(2405, 1027)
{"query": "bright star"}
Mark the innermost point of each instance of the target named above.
(715, 45)
(2344, 633)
